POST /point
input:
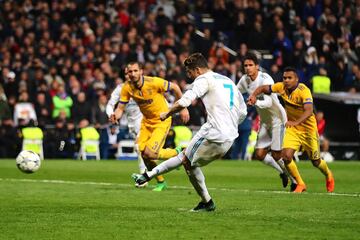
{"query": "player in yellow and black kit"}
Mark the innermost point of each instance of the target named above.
(148, 93)
(301, 128)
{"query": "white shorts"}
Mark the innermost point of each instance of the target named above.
(270, 137)
(201, 151)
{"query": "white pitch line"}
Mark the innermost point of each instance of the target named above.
(173, 186)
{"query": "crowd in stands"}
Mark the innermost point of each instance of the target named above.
(60, 60)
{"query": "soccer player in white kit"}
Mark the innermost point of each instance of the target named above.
(225, 109)
(134, 117)
(272, 117)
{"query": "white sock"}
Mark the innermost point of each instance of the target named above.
(142, 167)
(282, 165)
(166, 166)
(197, 179)
(269, 160)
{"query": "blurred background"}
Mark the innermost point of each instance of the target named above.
(60, 61)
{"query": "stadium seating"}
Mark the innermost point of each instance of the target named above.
(126, 150)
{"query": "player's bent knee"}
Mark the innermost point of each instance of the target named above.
(287, 158)
(260, 154)
(147, 154)
(276, 155)
(259, 157)
(316, 162)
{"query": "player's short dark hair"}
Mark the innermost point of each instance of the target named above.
(135, 62)
(290, 69)
(252, 57)
(195, 60)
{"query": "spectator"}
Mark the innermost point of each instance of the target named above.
(218, 55)
(56, 140)
(53, 76)
(72, 145)
(356, 78)
(257, 37)
(338, 75)
(24, 109)
(275, 73)
(311, 64)
(282, 48)
(62, 103)
(298, 55)
(112, 139)
(42, 109)
(347, 54)
(81, 109)
(11, 86)
(100, 118)
(312, 8)
(241, 29)
(321, 82)
(204, 43)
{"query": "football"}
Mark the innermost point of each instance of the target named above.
(28, 161)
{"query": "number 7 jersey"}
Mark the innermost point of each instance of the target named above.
(224, 105)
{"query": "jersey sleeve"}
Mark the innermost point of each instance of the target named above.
(277, 87)
(241, 85)
(267, 79)
(161, 84)
(264, 102)
(306, 96)
(199, 88)
(114, 98)
(124, 94)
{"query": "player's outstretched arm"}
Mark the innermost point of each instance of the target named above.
(262, 89)
(115, 117)
(115, 97)
(174, 109)
(184, 113)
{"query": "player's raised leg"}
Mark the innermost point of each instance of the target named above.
(150, 162)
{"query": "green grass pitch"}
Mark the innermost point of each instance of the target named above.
(69, 199)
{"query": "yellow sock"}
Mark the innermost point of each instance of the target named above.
(292, 169)
(150, 164)
(166, 153)
(323, 167)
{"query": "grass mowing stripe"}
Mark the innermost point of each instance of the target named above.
(175, 187)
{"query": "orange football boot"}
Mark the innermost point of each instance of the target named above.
(300, 188)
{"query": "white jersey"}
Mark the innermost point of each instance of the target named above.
(224, 105)
(132, 111)
(268, 106)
